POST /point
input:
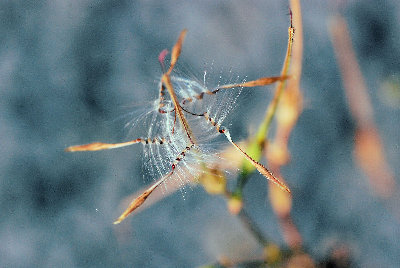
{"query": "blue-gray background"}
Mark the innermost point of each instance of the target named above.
(66, 69)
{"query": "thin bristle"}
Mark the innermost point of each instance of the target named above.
(97, 146)
(176, 50)
(167, 81)
(261, 168)
(256, 83)
(137, 202)
(264, 81)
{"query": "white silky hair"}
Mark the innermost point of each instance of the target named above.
(166, 125)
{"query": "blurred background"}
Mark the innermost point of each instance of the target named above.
(70, 69)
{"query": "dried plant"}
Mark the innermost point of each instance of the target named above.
(181, 129)
(182, 125)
